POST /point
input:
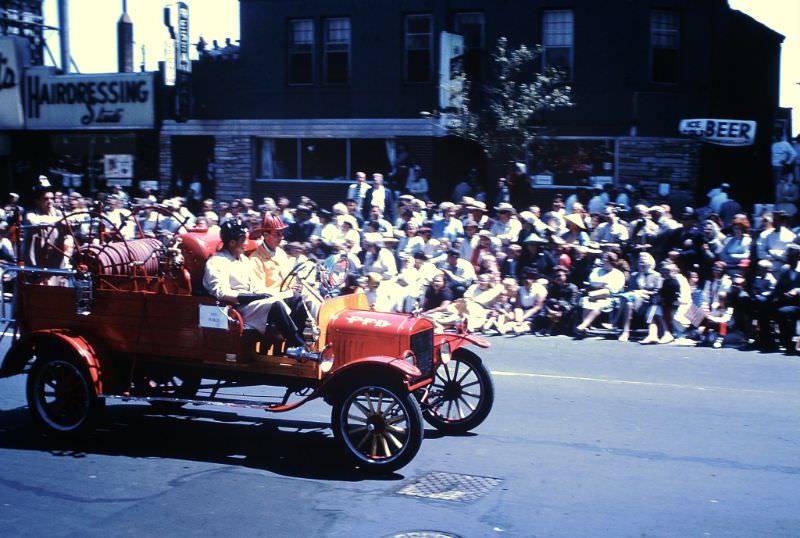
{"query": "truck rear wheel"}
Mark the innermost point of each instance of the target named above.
(379, 427)
(62, 397)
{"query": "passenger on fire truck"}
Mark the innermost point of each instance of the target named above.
(271, 265)
(229, 277)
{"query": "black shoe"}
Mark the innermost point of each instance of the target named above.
(579, 334)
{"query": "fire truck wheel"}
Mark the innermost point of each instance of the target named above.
(61, 396)
(461, 396)
(379, 427)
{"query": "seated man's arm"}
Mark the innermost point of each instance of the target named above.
(216, 280)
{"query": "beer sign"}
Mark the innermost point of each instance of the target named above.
(720, 132)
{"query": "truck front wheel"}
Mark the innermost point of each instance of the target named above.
(379, 427)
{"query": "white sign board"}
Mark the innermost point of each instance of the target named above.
(11, 115)
(119, 166)
(184, 64)
(213, 317)
(720, 132)
(451, 56)
(92, 101)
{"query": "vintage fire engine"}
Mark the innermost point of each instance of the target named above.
(128, 319)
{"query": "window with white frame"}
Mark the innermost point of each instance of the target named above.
(557, 40)
(337, 51)
(418, 48)
(301, 51)
(664, 46)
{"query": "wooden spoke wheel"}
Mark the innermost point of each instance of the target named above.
(61, 396)
(380, 428)
(461, 396)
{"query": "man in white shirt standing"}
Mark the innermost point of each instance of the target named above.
(358, 191)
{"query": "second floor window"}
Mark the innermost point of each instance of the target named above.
(418, 48)
(301, 51)
(664, 46)
(557, 40)
(471, 26)
(337, 51)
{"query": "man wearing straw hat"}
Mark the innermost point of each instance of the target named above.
(506, 227)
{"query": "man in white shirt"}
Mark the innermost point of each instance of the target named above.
(358, 191)
(460, 272)
(782, 154)
(506, 227)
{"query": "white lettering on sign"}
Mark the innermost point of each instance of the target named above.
(377, 323)
(720, 132)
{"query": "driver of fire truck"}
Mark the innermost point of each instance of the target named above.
(271, 264)
(229, 277)
(46, 246)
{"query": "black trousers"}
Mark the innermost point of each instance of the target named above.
(290, 325)
(787, 320)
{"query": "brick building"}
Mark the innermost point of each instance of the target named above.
(322, 88)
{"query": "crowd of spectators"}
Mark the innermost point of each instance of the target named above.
(610, 263)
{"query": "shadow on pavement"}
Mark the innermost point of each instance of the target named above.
(293, 448)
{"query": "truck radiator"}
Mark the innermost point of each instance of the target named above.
(422, 346)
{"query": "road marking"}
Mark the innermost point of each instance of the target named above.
(627, 382)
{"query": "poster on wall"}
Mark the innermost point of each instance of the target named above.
(118, 166)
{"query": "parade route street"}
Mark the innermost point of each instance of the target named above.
(587, 438)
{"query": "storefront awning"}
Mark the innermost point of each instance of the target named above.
(309, 128)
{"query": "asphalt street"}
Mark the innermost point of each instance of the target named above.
(588, 438)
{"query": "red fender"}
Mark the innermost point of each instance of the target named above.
(457, 340)
(406, 369)
(390, 365)
(23, 349)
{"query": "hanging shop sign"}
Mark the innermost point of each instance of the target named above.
(720, 132)
(93, 101)
(13, 56)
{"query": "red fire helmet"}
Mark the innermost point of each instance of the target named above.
(272, 222)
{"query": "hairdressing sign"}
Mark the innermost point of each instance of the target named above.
(92, 101)
(720, 132)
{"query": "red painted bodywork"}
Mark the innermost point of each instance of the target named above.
(156, 318)
(356, 334)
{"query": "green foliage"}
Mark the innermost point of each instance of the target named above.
(516, 98)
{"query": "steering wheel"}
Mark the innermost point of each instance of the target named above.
(309, 273)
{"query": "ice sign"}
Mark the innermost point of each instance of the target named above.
(720, 132)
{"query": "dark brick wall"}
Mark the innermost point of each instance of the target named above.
(233, 156)
(646, 162)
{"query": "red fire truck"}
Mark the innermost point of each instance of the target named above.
(128, 319)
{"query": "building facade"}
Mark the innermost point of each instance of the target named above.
(322, 88)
